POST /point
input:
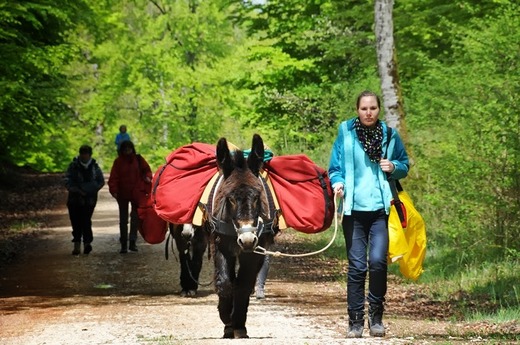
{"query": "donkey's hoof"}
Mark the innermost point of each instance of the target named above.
(228, 332)
(188, 293)
(240, 333)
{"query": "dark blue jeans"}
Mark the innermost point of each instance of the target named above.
(366, 232)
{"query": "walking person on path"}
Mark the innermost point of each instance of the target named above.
(83, 181)
(130, 179)
(120, 137)
(358, 173)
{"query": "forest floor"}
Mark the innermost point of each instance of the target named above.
(48, 296)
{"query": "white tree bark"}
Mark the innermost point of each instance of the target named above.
(387, 64)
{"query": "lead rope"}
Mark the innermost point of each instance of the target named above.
(263, 251)
(188, 264)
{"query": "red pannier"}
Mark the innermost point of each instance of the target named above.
(303, 191)
(178, 185)
(152, 228)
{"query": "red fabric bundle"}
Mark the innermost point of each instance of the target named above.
(179, 184)
(303, 191)
(152, 228)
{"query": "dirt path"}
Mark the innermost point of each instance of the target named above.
(50, 297)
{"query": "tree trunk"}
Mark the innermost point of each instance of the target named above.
(387, 65)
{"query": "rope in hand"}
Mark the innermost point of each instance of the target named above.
(263, 251)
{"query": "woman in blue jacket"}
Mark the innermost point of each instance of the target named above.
(358, 173)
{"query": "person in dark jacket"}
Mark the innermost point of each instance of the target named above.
(83, 180)
(130, 179)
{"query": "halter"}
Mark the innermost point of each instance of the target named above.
(264, 226)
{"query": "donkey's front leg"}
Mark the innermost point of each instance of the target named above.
(243, 286)
(224, 277)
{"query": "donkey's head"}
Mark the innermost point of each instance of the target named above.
(240, 199)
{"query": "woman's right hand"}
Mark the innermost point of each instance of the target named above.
(338, 190)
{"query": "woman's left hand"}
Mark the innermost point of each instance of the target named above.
(386, 165)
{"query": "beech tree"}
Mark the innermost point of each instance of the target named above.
(387, 65)
(33, 51)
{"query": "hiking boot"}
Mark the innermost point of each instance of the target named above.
(356, 323)
(375, 320)
(260, 294)
(87, 248)
(77, 248)
(228, 332)
(240, 334)
(133, 247)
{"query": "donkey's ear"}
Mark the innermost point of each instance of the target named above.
(224, 160)
(256, 157)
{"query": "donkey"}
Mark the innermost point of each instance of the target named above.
(191, 242)
(242, 219)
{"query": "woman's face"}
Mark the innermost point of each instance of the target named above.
(368, 111)
(84, 157)
(127, 151)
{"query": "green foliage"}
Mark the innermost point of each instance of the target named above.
(425, 30)
(452, 272)
(503, 314)
(308, 58)
(466, 140)
(33, 51)
(159, 69)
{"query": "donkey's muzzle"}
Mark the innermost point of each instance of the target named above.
(188, 231)
(247, 238)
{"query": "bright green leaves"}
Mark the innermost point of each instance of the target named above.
(464, 120)
(33, 50)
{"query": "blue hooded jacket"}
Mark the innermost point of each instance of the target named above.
(364, 183)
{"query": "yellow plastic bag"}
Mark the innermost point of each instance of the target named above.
(407, 246)
(398, 245)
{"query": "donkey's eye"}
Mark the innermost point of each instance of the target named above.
(232, 202)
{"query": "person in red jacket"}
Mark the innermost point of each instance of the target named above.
(130, 180)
